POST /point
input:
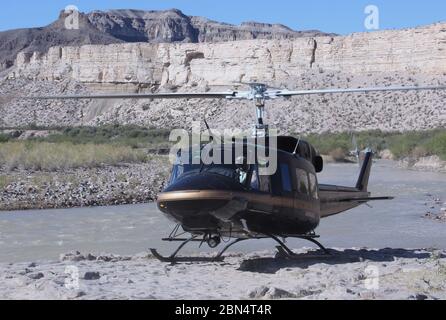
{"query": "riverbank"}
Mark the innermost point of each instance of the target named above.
(430, 164)
(132, 183)
(348, 274)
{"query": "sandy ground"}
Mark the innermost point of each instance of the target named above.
(347, 274)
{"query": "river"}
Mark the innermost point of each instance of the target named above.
(44, 234)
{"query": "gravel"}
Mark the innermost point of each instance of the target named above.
(126, 184)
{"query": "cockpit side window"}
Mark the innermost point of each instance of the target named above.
(242, 175)
(255, 185)
(314, 186)
(258, 182)
(286, 178)
(176, 172)
(302, 182)
(265, 183)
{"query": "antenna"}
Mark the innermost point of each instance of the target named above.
(297, 145)
(211, 134)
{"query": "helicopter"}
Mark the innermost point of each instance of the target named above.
(213, 201)
(357, 153)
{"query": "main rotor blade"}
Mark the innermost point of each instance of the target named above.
(247, 95)
(210, 95)
(286, 93)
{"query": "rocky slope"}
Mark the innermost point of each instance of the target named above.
(117, 26)
(404, 57)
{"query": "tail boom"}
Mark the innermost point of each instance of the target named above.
(338, 199)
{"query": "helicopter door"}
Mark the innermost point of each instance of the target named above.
(261, 185)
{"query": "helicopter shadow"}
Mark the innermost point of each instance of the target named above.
(305, 260)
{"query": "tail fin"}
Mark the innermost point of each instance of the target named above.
(363, 180)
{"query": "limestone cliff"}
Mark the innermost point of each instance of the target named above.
(421, 50)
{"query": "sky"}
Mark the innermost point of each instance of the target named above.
(338, 16)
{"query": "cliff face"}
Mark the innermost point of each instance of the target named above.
(145, 26)
(418, 51)
(117, 26)
(174, 26)
(41, 39)
(405, 57)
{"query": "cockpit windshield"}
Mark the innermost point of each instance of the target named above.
(239, 170)
(238, 173)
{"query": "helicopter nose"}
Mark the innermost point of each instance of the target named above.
(191, 199)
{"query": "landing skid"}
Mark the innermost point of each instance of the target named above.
(174, 259)
(289, 252)
(284, 251)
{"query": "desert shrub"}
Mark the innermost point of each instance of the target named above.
(338, 154)
(128, 135)
(4, 181)
(402, 144)
(327, 142)
(4, 138)
(436, 145)
(419, 152)
(37, 155)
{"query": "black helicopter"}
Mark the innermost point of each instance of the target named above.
(217, 200)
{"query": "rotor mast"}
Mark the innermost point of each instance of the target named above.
(258, 93)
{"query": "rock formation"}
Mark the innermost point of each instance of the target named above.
(117, 26)
(409, 51)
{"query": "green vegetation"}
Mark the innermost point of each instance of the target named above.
(37, 155)
(4, 138)
(132, 136)
(408, 144)
(81, 147)
(88, 147)
(4, 181)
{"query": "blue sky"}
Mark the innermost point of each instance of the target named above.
(339, 16)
